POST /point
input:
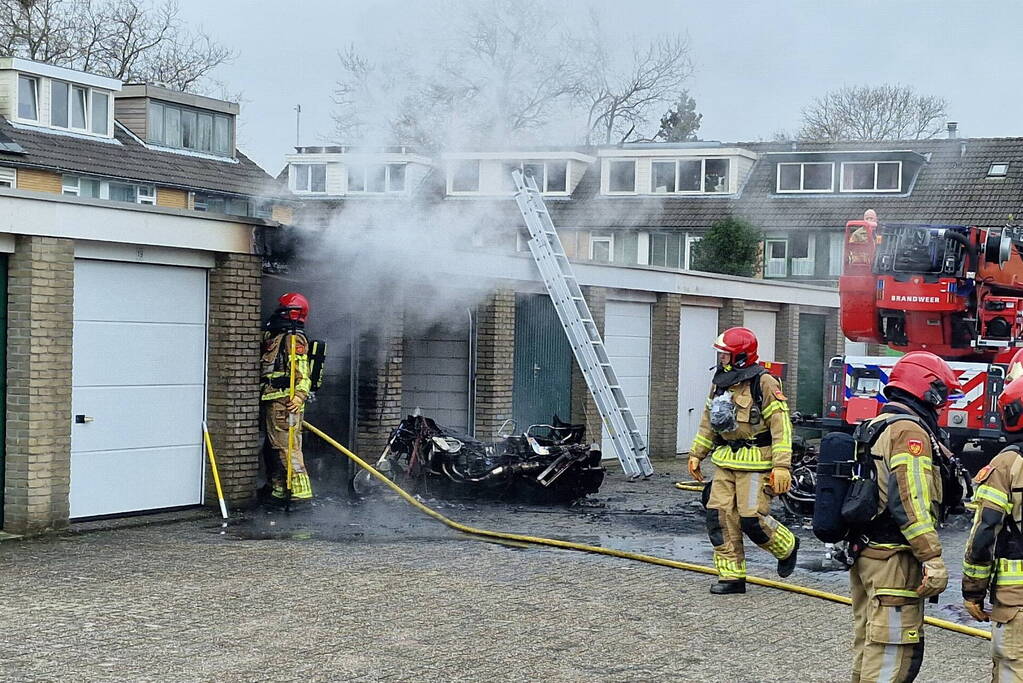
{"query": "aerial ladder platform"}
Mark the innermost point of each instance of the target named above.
(583, 335)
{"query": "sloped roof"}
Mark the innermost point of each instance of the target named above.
(126, 158)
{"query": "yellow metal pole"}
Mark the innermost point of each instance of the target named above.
(213, 466)
(292, 417)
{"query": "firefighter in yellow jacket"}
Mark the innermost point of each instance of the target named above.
(747, 432)
(994, 551)
(899, 564)
(280, 409)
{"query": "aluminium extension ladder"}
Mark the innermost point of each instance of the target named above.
(580, 329)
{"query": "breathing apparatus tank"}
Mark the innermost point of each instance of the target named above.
(835, 463)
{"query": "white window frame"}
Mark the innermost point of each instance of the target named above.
(703, 176)
(70, 106)
(768, 259)
(8, 177)
(688, 258)
(836, 250)
(1003, 165)
(145, 194)
(292, 178)
(609, 239)
(802, 176)
(230, 132)
(542, 182)
(451, 177)
(70, 185)
(610, 165)
(387, 179)
(35, 88)
(841, 185)
(804, 267)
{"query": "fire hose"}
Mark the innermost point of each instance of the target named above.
(598, 550)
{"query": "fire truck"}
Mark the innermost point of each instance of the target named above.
(956, 291)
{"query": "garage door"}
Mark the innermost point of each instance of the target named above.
(763, 324)
(627, 339)
(436, 373)
(696, 361)
(138, 387)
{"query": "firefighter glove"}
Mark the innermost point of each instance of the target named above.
(295, 403)
(694, 468)
(935, 578)
(976, 609)
(781, 480)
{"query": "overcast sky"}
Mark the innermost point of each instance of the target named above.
(758, 62)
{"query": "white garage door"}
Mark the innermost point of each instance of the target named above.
(138, 387)
(436, 374)
(763, 324)
(696, 361)
(627, 339)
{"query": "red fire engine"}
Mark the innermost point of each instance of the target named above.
(955, 291)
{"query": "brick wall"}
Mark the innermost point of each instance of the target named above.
(39, 181)
(381, 359)
(664, 375)
(495, 362)
(233, 376)
(732, 314)
(38, 439)
(786, 345)
(171, 198)
(584, 409)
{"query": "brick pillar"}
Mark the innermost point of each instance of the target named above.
(232, 404)
(495, 362)
(39, 330)
(732, 314)
(381, 358)
(664, 375)
(584, 409)
(834, 339)
(786, 345)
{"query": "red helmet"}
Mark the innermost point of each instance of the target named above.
(1015, 370)
(924, 375)
(293, 306)
(1010, 404)
(741, 343)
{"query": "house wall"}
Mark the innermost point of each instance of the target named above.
(39, 181)
(8, 93)
(131, 112)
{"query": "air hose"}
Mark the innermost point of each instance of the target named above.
(638, 557)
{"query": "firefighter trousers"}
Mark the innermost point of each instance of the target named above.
(1007, 644)
(275, 421)
(739, 503)
(888, 617)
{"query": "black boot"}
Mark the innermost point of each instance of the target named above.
(788, 565)
(729, 587)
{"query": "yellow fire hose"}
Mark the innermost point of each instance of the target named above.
(690, 485)
(650, 559)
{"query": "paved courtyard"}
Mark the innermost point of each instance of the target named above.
(377, 592)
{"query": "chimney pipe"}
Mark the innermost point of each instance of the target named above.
(952, 126)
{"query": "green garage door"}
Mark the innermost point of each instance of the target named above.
(543, 363)
(810, 380)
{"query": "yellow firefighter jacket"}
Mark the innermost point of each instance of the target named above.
(989, 552)
(276, 369)
(741, 449)
(910, 491)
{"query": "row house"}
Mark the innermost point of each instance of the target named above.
(129, 296)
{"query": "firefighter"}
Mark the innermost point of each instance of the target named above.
(994, 551)
(900, 564)
(280, 409)
(747, 433)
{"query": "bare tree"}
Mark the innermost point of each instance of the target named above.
(619, 99)
(883, 112)
(132, 40)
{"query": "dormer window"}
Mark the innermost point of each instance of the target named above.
(622, 177)
(806, 177)
(75, 107)
(376, 179)
(872, 176)
(28, 98)
(464, 176)
(689, 176)
(551, 176)
(181, 127)
(309, 178)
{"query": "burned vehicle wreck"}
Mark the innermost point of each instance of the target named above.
(545, 464)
